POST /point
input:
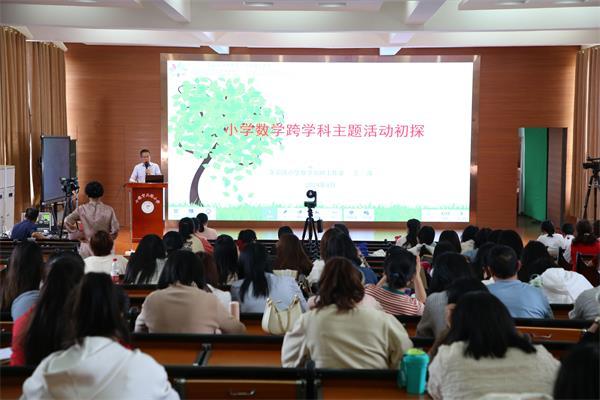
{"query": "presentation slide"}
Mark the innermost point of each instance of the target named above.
(377, 141)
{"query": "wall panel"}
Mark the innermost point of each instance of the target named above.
(114, 105)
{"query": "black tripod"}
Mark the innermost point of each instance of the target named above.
(309, 226)
(593, 184)
(67, 209)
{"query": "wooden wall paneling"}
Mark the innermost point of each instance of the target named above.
(557, 143)
(525, 86)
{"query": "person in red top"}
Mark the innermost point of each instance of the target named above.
(41, 330)
(585, 242)
(401, 268)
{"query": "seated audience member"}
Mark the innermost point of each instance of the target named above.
(259, 283)
(28, 227)
(245, 236)
(452, 238)
(340, 245)
(21, 288)
(94, 216)
(535, 259)
(319, 264)
(480, 264)
(208, 248)
(587, 305)
(481, 237)
(426, 245)
(41, 330)
(552, 240)
(495, 235)
(211, 276)
(412, 230)
(485, 354)
(291, 255)
(521, 299)
(467, 239)
(568, 230)
(585, 242)
(284, 230)
(560, 286)
(172, 241)
(401, 268)
(513, 240)
(455, 292)
(578, 374)
(190, 241)
(341, 333)
(226, 259)
(181, 305)
(146, 264)
(203, 229)
(448, 268)
(101, 260)
(96, 365)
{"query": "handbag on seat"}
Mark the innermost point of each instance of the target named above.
(278, 322)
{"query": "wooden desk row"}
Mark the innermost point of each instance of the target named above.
(194, 382)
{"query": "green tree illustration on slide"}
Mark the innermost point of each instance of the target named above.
(206, 124)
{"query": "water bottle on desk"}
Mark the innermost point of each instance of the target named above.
(114, 272)
(413, 371)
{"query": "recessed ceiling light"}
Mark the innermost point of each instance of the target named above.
(511, 2)
(258, 3)
(332, 4)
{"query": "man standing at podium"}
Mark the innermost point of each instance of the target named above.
(144, 168)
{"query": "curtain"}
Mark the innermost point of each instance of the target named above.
(46, 64)
(586, 131)
(14, 113)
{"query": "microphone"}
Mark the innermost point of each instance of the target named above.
(147, 164)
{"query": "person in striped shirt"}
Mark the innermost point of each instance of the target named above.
(401, 269)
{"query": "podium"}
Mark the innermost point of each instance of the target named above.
(147, 209)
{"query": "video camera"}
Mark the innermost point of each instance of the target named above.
(593, 164)
(311, 194)
(69, 185)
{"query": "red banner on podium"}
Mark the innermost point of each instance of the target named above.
(147, 210)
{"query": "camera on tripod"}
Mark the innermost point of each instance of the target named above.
(592, 163)
(311, 194)
(69, 185)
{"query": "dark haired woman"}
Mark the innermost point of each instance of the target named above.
(291, 255)
(25, 270)
(96, 365)
(552, 240)
(339, 332)
(483, 342)
(172, 241)
(467, 239)
(208, 248)
(341, 245)
(452, 238)
(401, 268)
(41, 330)
(94, 216)
(447, 268)
(578, 374)
(181, 304)
(203, 229)
(146, 264)
(260, 283)
(226, 258)
(190, 241)
(585, 241)
(412, 230)
(101, 244)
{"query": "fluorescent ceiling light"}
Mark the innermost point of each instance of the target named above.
(570, 1)
(332, 4)
(258, 3)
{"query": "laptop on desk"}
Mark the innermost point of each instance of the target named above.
(155, 178)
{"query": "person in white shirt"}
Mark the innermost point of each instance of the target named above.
(568, 231)
(97, 365)
(101, 261)
(146, 167)
(553, 241)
